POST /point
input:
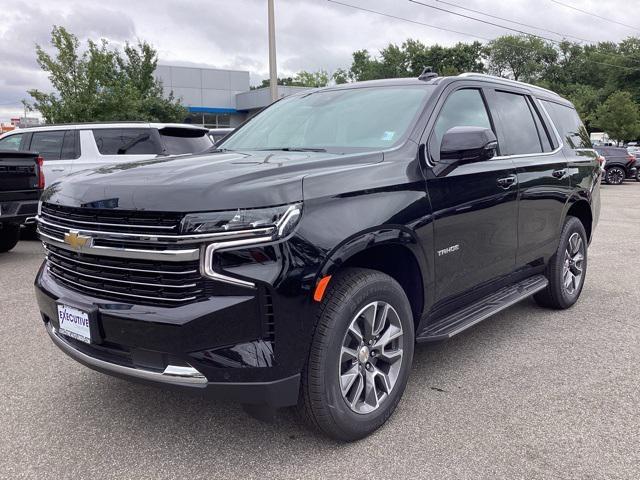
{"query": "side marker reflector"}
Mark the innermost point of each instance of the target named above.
(320, 288)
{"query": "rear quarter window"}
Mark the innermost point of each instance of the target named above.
(125, 141)
(568, 123)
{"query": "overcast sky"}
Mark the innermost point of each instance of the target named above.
(311, 34)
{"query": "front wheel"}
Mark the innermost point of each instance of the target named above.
(360, 355)
(615, 175)
(567, 268)
(638, 175)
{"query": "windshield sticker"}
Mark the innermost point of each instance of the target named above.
(388, 136)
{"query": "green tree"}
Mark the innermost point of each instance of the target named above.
(102, 84)
(311, 79)
(619, 117)
(341, 76)
(523, 58)
(364, 67)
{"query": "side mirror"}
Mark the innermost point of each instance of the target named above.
(462, 145)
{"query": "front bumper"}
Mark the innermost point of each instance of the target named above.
(185, 348)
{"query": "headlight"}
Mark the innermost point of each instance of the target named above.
(240, 228)
(277, 222)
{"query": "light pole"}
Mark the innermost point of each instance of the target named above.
(273, 71)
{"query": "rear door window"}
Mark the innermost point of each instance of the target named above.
(568, 124)
(70, 146)
(518, 134)
(125, 141)
(179, 141)
(12, 142)
(48, 144)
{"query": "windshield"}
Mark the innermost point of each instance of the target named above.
(336, 120)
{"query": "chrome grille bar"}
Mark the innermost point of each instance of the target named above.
(132, 253)
(128, 269)
(143, 237)
(127, 225)
(116, 294)
(127, 282)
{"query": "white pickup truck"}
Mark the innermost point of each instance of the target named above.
(74, 147)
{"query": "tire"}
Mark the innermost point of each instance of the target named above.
(9, 236)
(353, 295)
(615, 175)
(29, 232)
(558, 294)
(638, 175)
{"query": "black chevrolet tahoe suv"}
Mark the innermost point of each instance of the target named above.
(300, 261)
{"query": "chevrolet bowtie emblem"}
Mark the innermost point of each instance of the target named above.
(77, 241)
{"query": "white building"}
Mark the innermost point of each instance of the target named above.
(216, 98)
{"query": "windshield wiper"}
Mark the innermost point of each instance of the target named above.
(133, 142)
(294, 149)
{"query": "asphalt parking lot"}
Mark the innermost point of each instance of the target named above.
(530, 393)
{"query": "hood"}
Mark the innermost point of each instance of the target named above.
(206, 182)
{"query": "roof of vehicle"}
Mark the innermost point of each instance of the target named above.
(533, 89)
(100, 125)
(621, 150)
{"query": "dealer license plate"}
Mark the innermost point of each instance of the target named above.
(74, 323)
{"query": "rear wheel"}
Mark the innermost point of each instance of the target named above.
(615, 175)
(638, 175)
(360, 356)
(567, 268)
(9, 236)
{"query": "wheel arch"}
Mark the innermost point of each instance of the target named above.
(393, 251)
(580, 208)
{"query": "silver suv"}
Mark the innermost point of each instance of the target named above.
(74, 147)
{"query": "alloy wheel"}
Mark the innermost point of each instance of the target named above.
(371, 357)
(573, 268)
(615, 176)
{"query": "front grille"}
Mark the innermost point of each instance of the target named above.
(109, 220)
(126, 280)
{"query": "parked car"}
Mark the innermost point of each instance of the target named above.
(300, 262)
(21, 183)
(72, 148)
(218, 134)
(620, 164)
(633, 148)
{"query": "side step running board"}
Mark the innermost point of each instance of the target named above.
(482, 309)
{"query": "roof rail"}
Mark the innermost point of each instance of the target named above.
(99, 122)
(506, 81)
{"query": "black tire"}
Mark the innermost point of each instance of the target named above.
(615, 175)
(9, 236)
(638, 175)
(557, 295)
(322, 403)
(29, 232)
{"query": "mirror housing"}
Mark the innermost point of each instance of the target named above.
(461, 145)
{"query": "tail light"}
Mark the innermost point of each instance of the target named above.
(39, 162)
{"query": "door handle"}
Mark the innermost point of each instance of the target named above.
(57, 169)
(560, 173)
(507, 182)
